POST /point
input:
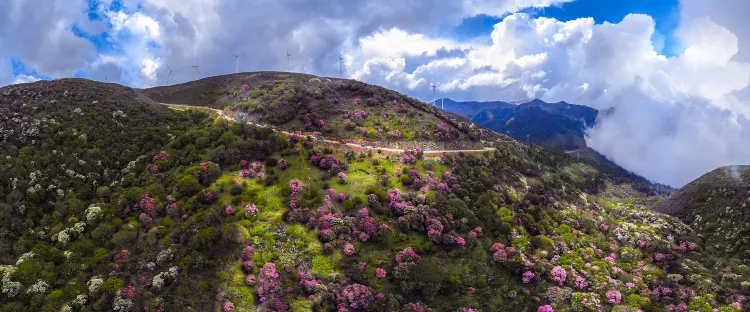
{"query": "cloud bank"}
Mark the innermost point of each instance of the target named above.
(674, 119)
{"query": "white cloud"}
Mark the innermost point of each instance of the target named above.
(25, 79)
(675, 118)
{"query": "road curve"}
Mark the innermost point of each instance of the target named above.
(394, 150)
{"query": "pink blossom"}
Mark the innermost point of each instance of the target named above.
(228, 210)
(380, 273)
(459, 240)
(349, 249)
(545, 308)
(613, 296)
(342, 176)
(228, 306)
(128, 292)
(559, 274)
(527, 276)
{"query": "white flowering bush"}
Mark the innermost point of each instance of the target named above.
(39, 287)
(93, 213)
(24, 257)
(94, 284)
(80, 300)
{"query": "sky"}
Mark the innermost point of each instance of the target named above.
(676, 71)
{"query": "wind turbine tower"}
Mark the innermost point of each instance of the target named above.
(170, 74)
(288, 56)
(433, 86)
(196, 71)
(341, 66)
(237, 63)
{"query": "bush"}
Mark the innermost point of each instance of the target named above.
(188, 186)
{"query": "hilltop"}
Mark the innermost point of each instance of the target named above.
(717, 206)
(345, 109)
(112, 201)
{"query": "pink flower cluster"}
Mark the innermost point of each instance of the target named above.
(358, 296)
(349, 249)
(500, 252)
(559, 274)
(163, 155)
(128, 292)
(407, 256)
(147, 204)
(122, 255)
(613, 296)
(251, 211)
(545, 308)
(459, 240)
(319, 123)
(228, 306)
(296, 185)
(282, 164)
(527, 277)
(228, 210)
(342, 176)
(247, 252)
(380, 273)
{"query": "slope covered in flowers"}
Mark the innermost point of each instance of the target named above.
(229, 217)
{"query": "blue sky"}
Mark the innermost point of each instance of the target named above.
(664, 12)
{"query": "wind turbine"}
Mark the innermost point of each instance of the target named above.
(341, 66)
(237, 62)
(287, 60)
(170, 74)
(433, 86)
(196, 71)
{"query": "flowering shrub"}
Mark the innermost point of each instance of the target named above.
(545, 308)
(358, 296)
(228, 306)
(128, 292)
(247, 252)
(147, 204)
(328, 162)
(251, 211)
(205, 197)
(342, 177)
(559, 274)
(296, 185)
(228, 210)
(282, 164)
(613, 296)
(380, 273)
(459, 240)
(407, 256)
(527, 277)
(349, 249)
(163, 155)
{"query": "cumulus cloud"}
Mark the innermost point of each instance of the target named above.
(675, 118)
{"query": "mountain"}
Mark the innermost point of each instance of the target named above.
(559, 126)
(112, 201)
(469, 109)
(717, 206)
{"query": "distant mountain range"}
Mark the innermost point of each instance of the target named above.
(560, 126)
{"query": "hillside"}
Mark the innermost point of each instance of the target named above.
(716, 205)
(115, 203)
(345, 109)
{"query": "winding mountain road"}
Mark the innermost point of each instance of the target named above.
(221, 114)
